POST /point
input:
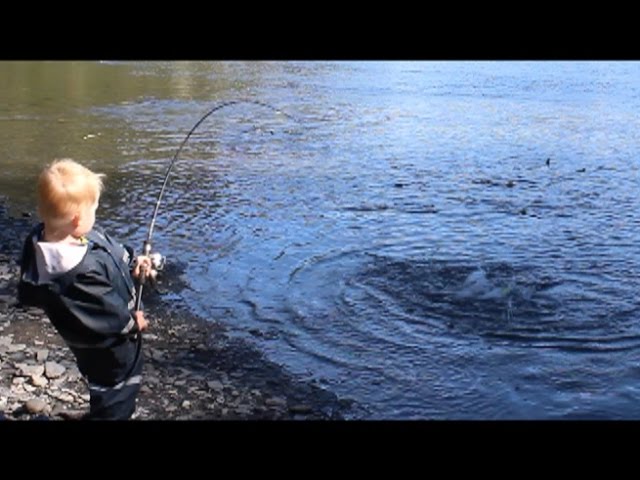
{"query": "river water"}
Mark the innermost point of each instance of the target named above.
(435, 240)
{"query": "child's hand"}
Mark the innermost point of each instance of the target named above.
(144, 266)
(140, 320)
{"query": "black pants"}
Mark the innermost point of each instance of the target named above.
(116, 402)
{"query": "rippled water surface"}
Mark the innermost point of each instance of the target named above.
(448, 240)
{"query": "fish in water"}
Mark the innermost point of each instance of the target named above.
(478, 286)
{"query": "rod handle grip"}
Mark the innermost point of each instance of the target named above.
(146, 249)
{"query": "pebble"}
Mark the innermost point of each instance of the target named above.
(41, 355)
(215, 385)
(30, 370)
(275, 402)
(302, 409)
(53, 370)
(35, 405)
(39, 381)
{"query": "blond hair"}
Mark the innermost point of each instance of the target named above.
(64, 188)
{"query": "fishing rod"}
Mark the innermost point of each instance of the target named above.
(157, 260)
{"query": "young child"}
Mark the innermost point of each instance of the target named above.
(82, 278)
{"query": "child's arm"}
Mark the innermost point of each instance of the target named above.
(100, 308)
(30, 293)
(140, 320)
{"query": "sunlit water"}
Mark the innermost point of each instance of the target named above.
(447, 240)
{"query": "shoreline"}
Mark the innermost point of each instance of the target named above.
(193, 369)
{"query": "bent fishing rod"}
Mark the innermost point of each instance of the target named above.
(157, 260)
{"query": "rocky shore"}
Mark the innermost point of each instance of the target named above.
(193, 369)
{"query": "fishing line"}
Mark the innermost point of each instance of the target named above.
(157, 259)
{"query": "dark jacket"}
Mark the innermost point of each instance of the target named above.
(91, 305)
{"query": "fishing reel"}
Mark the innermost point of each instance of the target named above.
(157, 264)
(157, 261)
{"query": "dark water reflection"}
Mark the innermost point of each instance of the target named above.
(403, 241)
